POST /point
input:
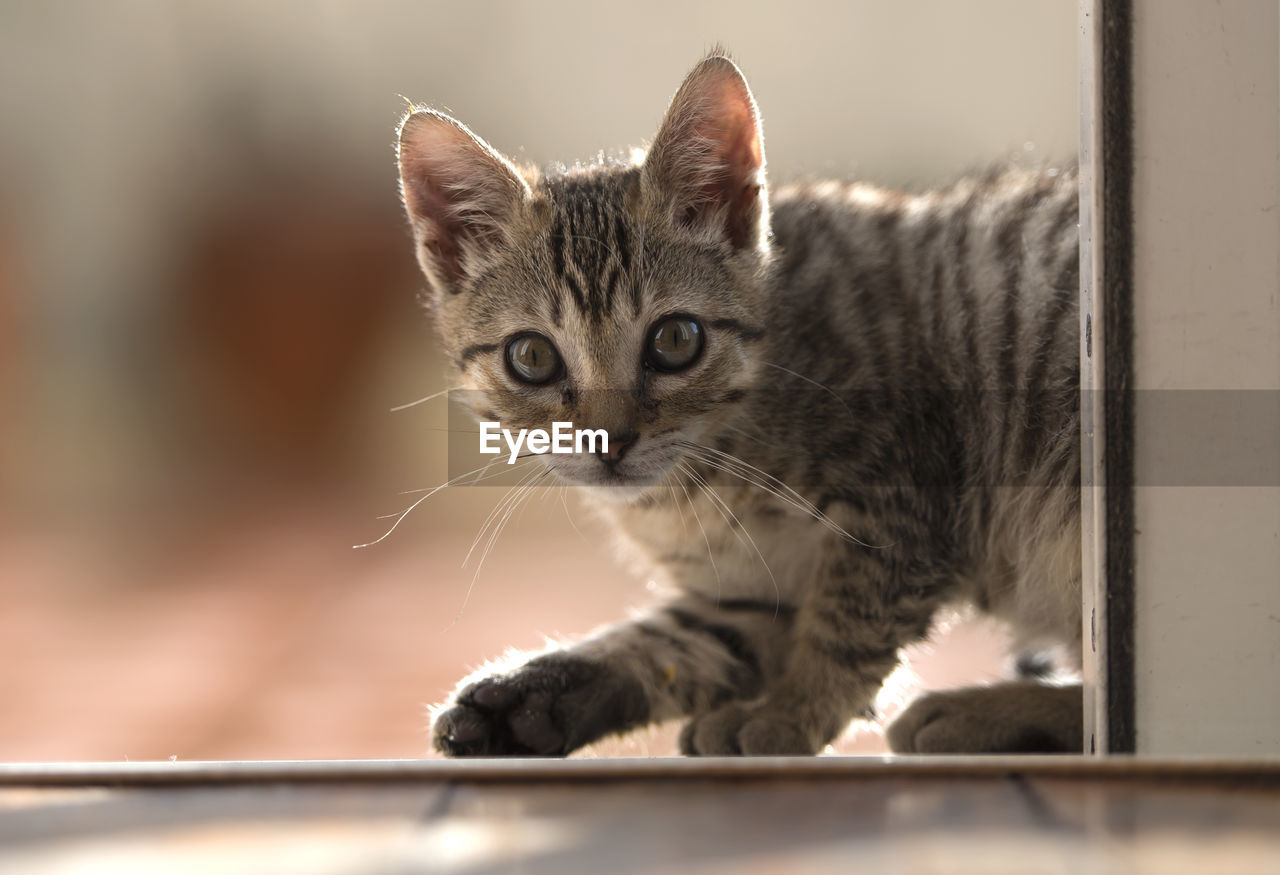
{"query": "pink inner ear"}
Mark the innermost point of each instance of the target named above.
(430, 208)
(743, 151)
(455, 187)
(715, 125)
(727, 121)
(440, 165)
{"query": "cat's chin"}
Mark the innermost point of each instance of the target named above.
(614, 489)
(624, 494)
(626, 486)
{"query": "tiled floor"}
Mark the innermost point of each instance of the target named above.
(648, 816)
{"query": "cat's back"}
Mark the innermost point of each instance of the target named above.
(970, 290)
(947, 320)
(920, 241)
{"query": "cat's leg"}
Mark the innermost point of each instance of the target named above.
(685, 657)
(1015, 717)
(846, 641)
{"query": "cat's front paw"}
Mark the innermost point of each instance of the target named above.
(746, 730)
(548, 707)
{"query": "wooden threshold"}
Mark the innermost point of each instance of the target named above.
(485, 770)
(659, 816)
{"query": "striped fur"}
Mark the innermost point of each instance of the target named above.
(883, 422)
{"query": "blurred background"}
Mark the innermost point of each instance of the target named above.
(207, 313)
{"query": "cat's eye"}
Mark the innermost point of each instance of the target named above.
(533, 359)
(674, 343)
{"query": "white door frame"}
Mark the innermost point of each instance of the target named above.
(1180, 359)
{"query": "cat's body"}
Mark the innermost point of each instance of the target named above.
(879, 420)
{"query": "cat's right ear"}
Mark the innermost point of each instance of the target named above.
(461, 196)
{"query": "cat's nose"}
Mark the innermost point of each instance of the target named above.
(619, 444)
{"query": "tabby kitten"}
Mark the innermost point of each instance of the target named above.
(833, 411)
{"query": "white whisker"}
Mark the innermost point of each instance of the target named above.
(749, 436)
(565, 504)
(430, 397)
(812, 382)
(736, 526)
(751, 474)
(527, 476)
(481, 473)
(524, 491)
(408, 510)
(710, 553)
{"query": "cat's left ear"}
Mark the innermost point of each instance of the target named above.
(707, 160)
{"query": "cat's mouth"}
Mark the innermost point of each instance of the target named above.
(623, 482)
(621, 476)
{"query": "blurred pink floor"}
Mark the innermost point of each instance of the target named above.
(266, 636)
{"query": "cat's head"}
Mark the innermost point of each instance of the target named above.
(619, 296)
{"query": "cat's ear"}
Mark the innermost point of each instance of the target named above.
(461, 196)
(707, 160)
